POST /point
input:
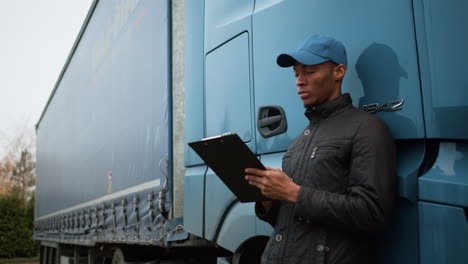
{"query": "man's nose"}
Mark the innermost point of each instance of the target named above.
(300, 80)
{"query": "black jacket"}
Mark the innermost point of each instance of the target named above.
(345, 163)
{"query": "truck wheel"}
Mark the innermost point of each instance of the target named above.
(136, 255)
(250, 251)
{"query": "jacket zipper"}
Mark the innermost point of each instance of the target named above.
(313, 152)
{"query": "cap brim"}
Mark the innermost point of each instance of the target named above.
(303, 57)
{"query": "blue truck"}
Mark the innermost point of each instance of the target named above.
(117, 182)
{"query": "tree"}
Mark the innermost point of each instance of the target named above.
(17, 166)
(6, 171)
(17, 177)
(16, 226)
(24, 173)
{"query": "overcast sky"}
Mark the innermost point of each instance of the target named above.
(36, 38)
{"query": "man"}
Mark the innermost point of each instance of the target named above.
(337, 186)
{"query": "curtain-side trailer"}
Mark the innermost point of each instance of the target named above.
(117, 183)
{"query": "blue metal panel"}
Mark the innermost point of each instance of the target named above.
(228, 103)
(194, 77)
(399, 243)
(108, 120)
(227, 90)
(227, 109)
(447, 181)
(410, 156)
(443, 234)
(194, 197)
(225, 19)
(262, 228)
(442, 42)
(217, 199)
(382, 59)
(238, 226)
(241, 224)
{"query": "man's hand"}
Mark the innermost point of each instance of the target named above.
(273, 183)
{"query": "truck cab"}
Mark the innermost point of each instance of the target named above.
(404, 66)
(118, 183)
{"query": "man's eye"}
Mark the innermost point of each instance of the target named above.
(309, 72)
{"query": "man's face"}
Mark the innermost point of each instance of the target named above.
(318, 84)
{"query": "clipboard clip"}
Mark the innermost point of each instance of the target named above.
(218, 136)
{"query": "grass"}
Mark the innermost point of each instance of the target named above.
(34, 260)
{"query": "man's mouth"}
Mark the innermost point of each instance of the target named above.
(303, 95)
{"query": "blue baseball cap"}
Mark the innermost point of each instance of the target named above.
(316, 49)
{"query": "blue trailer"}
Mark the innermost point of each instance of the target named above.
(117, 181)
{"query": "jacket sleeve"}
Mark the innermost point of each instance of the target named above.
(267, 216)
(367, 202)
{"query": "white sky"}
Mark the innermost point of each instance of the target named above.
(36, 37)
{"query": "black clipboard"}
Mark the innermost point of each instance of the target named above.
(228, 156)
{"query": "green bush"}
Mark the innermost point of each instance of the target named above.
(16, 226)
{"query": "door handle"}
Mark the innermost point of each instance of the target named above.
(267, 121)
(271, 121)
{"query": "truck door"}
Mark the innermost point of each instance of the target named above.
(224, 101)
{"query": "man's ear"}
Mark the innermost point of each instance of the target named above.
(340, 71)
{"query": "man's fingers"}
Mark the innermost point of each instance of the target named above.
(253, 183)
(253, 178)
(273, 169)
(260, 186)
(253, 171)
(257, 182)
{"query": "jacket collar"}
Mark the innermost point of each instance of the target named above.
(317, 113)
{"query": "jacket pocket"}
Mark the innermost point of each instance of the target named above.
(326, 149)
(328, 166)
